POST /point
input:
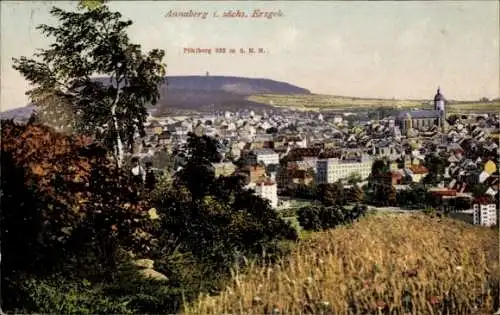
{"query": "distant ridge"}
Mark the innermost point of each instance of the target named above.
(236, 85)
(21, 113)
(201, 93)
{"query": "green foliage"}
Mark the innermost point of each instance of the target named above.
(57, 295)
(71, 222)
(66, 208)
(331, 194)
(197, 174)
(354, 178)
(287, 213)
(379, 190)
(245, 221)
(479, 190)
(221, 224)
(379, 169)
(310, 218)
(429, 211)
(436, 166)
(163, 160)
(417, 197)
(322, 218)
(212, 224)
(128, 294)
(462, 203)
(302, 191)
(202, 149)
(355, 194)
(87, 44)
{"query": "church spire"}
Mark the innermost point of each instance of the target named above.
(439, 106)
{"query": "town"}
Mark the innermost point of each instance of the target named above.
(282, 153)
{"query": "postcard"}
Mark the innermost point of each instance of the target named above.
(250, 157)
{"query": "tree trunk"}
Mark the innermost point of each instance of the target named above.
(118, 143)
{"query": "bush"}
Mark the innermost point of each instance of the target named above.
(287, 213)
(69, 215)
(216, 219)
(57, 295)
(310, 218)
(322, 218)
(66, 208)
(129, 294)
(214, 228)
(429, 211)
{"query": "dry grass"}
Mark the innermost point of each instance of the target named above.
(367, 268)
(333, 102)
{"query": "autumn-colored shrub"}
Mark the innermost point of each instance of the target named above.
(64, 205)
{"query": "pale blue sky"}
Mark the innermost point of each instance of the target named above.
(365, 49)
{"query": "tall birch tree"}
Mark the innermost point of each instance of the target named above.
(92, 80)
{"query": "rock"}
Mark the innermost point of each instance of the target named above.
(144, 263)
(153, 274)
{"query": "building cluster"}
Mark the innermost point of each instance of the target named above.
(282, 149)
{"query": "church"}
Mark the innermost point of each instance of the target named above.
(424, 119)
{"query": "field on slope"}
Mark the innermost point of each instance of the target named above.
(341, 103)
(384, 264)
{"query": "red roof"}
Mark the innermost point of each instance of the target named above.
(266, 181)
(445, 192)
(396, 175)
(484, 200)
(419, 169)
(252, 168)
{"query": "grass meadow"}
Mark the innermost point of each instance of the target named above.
(383, 264)
(317, 102)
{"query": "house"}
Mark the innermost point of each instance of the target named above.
(301, 177)
(267, 189)
(418, 172)
(397, 178)
(264, 156)
(253, 172)
(153, 127)
(337, 119)
(308, 155)
(164, 138)
(224, 169)
(485, 212)
(333, 169)
(294, 174)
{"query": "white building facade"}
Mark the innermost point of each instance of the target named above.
(485, 214)
(266, 156)
(331, 170)
(266, 189)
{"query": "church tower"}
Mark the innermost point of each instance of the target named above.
(440, 107)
